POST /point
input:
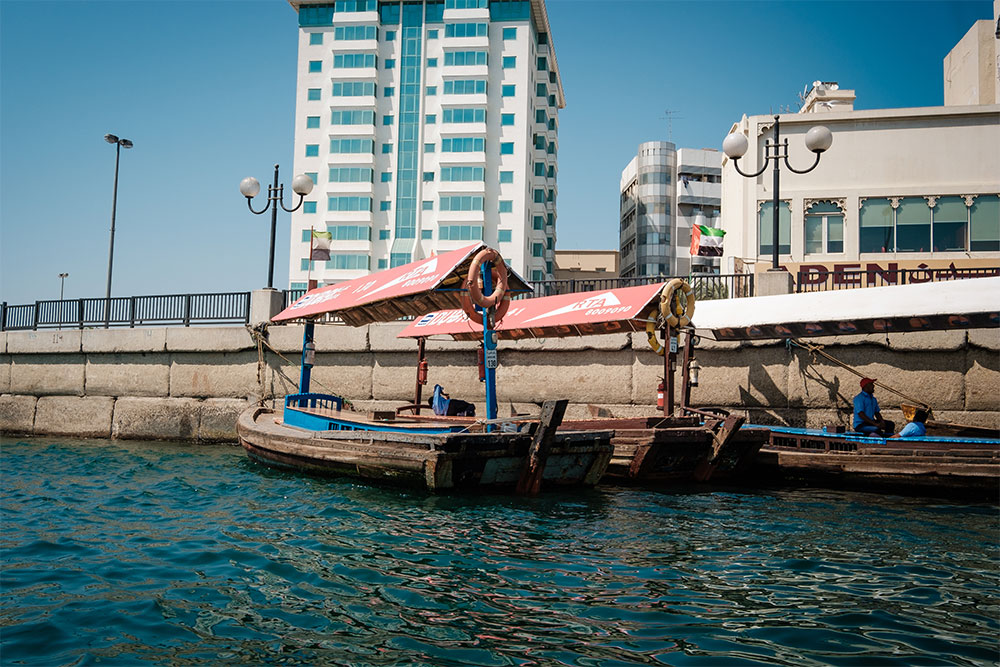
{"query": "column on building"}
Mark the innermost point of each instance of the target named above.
(427, 125)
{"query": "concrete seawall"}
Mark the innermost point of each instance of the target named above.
(191, 383)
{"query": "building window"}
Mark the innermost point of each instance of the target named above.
(429, 148)
(540, 116)
(465, 87)
(351, 174)
(388, 91)
(504, 235)
(386, 149)
(539, 169)
(383, 235)
(432, 34)
(352, 117)
(506, 177)
(950, 223)
(387, 120)
(541, 90)
(352, 146)
(428, 176)
(463, 145)
(356, 5)
(430, 119)
(385, 205)
(313, 94)
(432, 62)
(313, 176)
(315, 65)
(984, 232)
(507, 90)
(542, 65)
(427, 234)
(461, 203)
(309, 207)
(312, 150)
(463, 174)
(349, 262)
(465, 30)
(349, 204)
(464, 58)
(506, 119)
(506, 206)
(464, 116)
(398, 259)
(537, 250)
(460, 233)
(353, 60)
(353, 88)
(509, 62)
(539, 196)
(766, 229)
(386, 176)
(346, 233)
(383, 264)
(390, 63)
(427, 205)
(315, 38)
(312, 122)
(875, 219)
(824, 229)
(540, 142)
(354, 32)
(507, 148)
(390, 35)
(913, 225)
(432, 90)
(538, 222)
(510, 33)
(537, 275)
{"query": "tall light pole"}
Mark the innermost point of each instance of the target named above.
(119, 145)
(818, 139)
(250, 186)
(62, 283)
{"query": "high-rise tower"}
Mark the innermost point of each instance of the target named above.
(426, 125)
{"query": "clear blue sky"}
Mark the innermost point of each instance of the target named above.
(206, 90)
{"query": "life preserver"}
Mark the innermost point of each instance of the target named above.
(477, 316)
(499, 278)
(651, 332)
(677, 303)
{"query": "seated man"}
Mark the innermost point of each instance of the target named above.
(867, 417)
(442, 404)
(915, 428)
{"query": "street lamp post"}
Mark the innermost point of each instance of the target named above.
(250, 186)
(818, 139)
(62, 283)
(119, 145)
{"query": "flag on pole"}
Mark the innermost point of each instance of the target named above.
(320, 245)
(706, 241)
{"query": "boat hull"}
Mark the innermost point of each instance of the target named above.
(934, 465)
(432, 461)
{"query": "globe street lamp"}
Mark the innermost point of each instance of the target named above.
(119, 145)
(818, 139)
(250, 186)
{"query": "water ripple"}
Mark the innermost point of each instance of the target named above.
(131, 553)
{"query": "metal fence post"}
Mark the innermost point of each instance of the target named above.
(37, 308)
(246, 308)
(187, 310)
(131, 312)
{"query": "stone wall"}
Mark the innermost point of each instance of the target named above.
(191, 383)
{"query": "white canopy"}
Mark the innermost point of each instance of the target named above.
(952, 304)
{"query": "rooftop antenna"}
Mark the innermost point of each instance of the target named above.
(669, 115)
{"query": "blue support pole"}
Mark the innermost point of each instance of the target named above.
(308, 356)
(490, 348)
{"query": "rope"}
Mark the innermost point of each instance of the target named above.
(818, 349)
(259, 335)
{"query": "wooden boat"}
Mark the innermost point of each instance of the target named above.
(965, 466)
(931, 463)
(318, 433)
(668, 448)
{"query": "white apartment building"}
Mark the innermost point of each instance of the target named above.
(426, 125)
(664, 191)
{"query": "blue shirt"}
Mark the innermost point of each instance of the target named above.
(913, 430)
(866, 403)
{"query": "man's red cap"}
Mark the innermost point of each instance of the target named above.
(865, 381)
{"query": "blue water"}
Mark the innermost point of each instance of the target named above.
(131, 553)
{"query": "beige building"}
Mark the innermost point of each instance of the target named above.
(586, 264)
(971, 69)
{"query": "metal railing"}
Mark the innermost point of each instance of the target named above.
(821, 281)
(128, 311)
(706, 286)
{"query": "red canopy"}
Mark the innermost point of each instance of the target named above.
(577, 314)
(412, 289)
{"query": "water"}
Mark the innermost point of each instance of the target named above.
(160, 553)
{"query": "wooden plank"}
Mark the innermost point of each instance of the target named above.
(534, 466)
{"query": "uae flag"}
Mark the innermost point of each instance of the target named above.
(706, 241)
(320, 245)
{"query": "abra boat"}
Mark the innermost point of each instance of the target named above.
(318, 433)
(668, 448)
(932, 463)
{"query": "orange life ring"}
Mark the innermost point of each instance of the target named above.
(677, 303)
(499, 277)
(477, 316)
